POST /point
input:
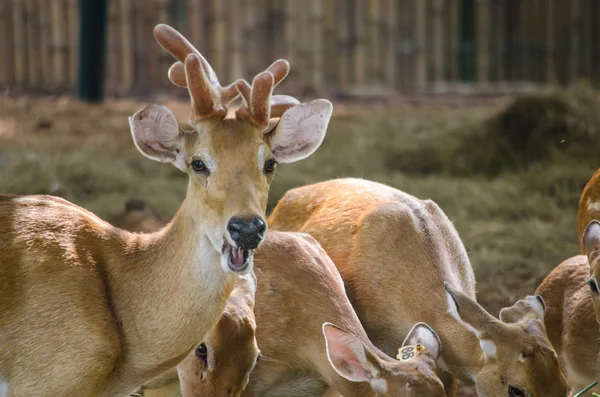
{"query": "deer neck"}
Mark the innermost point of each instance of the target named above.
(169, 291)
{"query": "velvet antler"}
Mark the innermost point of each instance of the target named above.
(209, 98)
(259, 103)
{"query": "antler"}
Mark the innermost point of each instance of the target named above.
(259, 103)
(209, 98)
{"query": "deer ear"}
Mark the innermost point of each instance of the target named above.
(300, 131)
(591, 237)
(349, 356)
(468, 312)
(156, 134)
(422, 334)
(530, 307)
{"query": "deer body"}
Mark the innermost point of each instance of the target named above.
(572, 295)
(295, 359)
(99, 289)
(398, 254)
(91, 310)
(571, 321)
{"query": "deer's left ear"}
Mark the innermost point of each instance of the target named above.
(300, 131)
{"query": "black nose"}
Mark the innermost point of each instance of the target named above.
(247, 233)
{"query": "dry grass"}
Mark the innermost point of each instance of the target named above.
(508, 176)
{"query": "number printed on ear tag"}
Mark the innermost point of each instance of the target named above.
(409, 352)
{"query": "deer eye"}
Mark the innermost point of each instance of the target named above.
(270, 166)
(202, 352)
(199, 166)
(593, 286)
(515, 392)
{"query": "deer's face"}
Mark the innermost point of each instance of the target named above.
(518, 358)
(524, 364)
(413, 374)
(230, 162)
(222, 364)
(231, 166)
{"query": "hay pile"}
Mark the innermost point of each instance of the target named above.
(534, 128)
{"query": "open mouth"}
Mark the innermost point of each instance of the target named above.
(238, 258)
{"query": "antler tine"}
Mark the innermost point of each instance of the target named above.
(260, 108)
(205, 103)
(177, 77)
(199, 70)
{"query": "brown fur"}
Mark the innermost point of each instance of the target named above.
(232, 354)
(573, 317)
(290, 311)
(590, 196)
(394, 253)
(106, 310)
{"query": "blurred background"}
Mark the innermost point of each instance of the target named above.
(335, 46)
(488, 107)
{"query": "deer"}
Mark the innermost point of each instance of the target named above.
(222, 363)
(589, 206)
(402, 261)
(571, 293)
(310, 338)
(89, 309)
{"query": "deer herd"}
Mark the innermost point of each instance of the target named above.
(350, 288)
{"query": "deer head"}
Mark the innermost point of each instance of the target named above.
(519, 359)
(413, 374)
(230, 162)
(222, 364)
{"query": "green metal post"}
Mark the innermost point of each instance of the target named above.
(467, 41)
(92, 49)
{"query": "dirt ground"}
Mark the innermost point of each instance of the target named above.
(508, 177)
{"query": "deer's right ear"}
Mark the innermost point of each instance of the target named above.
(591, 237)
(156, 134)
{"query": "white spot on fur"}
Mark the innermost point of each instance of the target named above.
(262, 155)
(593, 205)
(207, 159)
(521, 358)
(453, 311)
(380, 385)
(488, 347)
(3, 388)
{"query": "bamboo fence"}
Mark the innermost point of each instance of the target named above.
(333, 45)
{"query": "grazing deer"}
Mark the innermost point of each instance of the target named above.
(571, 293)
(91, 310)
(402, 261)
(221, 365)
(589, 206)
(303, 352)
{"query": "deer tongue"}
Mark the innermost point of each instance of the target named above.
(237, 257)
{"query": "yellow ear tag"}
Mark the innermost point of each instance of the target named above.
(409, 352)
